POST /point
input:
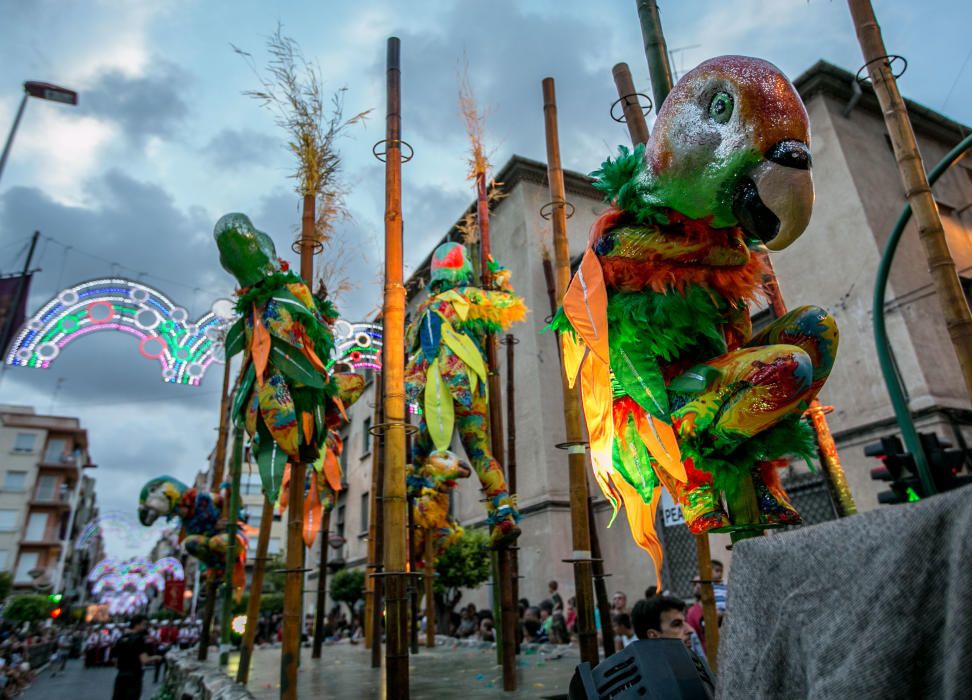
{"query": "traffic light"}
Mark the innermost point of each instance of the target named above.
(55, 598)
(944, 463)
(898, 468)
(56, 612)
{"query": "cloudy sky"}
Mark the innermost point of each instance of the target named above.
(163, 143)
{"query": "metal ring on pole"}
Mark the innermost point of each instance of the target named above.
(645, 109)
(382, 428)
(569, 446)
(891, 58)
(316, 246)
(546, 211)
(380, 155)
(509, 340)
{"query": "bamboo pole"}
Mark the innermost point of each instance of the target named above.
(506, 635)
(579, 491)
(378, 516)
(236, 467)
(413, 623)
(634, 119)
(393, 352)
(429, 592)
(321, 587)
(294, 581)
(709, 613)
(256, 591)
(941, 266)
(600, 587)
(219, 461)
(511, 475)
(661, 84)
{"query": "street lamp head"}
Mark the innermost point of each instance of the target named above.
(48, 91)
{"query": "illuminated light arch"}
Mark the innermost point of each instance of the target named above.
(184, 348)
(357, 347)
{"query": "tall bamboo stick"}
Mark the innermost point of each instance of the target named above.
(634, 119)
(511, 341)
(579, 491)
(413, 622)
(294, 581)
(219, 461)
(393, 351)
(236, 467)
(941, 266)
(429, 592)
(321, 586)
(661, 84)
(256, 591)
(506, 634)
(375, 531)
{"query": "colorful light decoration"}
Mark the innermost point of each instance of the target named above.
(239, 624)
(184, 348)
(357, 347)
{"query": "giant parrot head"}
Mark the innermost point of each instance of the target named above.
(244, 251)
(732, 142)
(159, 497)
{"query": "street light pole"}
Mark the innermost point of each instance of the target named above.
(43, 91)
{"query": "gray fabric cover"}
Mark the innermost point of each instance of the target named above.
(878, 605)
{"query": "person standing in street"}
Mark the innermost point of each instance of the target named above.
(131, 651)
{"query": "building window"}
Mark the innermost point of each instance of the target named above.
(24, 443)
(254, 519)
(251, 547)
(15, 481)
(3, 559)
(339, 527)
(36, 527)
(56, 451)
(8, 520)
(46, 486)
(26, 564)
(250, 485)
(366, 438)
(273, 546)
(365, 507)
(344, 454)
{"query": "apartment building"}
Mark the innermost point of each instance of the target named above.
(41, 485)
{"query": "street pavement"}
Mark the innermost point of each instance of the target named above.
(80, 683)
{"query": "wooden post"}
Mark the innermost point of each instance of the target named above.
(413, 624)
(506, 634)
(948, 289)
(378, 515)
(709, 613)
(393, 352)
(256, 591)
(219, 461)
(600, 588)
(634, 119)
(321, 586)
(656, 51)
(294, 581)
(236, 467)
(511, 470)
(579, 490)
(429, 592)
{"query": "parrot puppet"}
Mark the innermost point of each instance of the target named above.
(288, 403)
(203, 534)
(446, 373)
(677, 391)
(429, 485)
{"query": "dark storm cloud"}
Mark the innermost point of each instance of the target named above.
(145, 106)
(233, 149)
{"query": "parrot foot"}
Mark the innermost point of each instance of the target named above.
(702, 509)
(775, 507)
(503, 534)
(502, 519)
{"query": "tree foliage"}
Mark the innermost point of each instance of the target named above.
(6, 584)
(27, 608)
(348, 586)
(465, 564)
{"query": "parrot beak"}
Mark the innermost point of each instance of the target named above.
(146, 515)
(775, 201)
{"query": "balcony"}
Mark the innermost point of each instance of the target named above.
(60, 462)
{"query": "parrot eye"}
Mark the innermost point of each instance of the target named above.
(720, 109)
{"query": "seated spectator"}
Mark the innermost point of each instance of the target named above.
(558, 629)
(468, 623)
(533, 632)
(546, 611)
(623, 632)
(486, 631)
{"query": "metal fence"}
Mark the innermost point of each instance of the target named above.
(809, 494)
